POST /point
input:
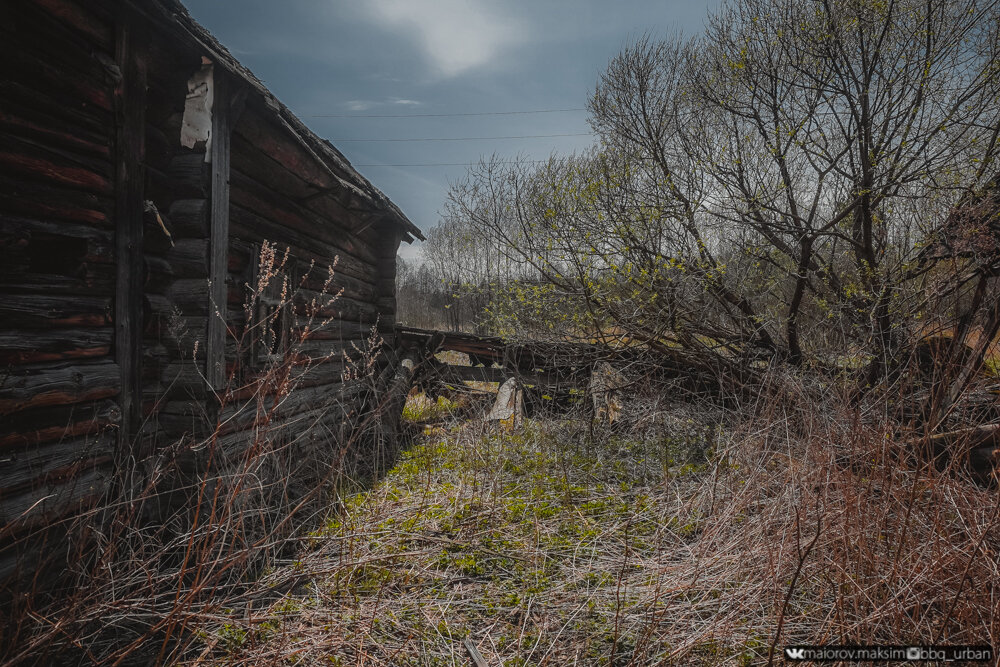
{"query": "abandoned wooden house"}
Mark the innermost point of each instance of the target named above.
(142, 172)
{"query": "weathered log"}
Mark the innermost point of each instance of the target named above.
(89, 280)
(257, 196)
(256, 408)
(331, 349)
(46, 201)
(39, 425)
(178, 333)
(329, 204)
(331, 330)
(459, 374)
(83, 81)
(387, 307)
(91, 121)
(190, 175)
(42, 29)
(975, 436)
(49, 130)
(274, 140)
(189, 218)
(253, 162)
(184, 378)
(313, 277)
(33, 465)
(76, 18)
(77, 488)
(21, 347)
(56, 171)
(91, 245)
(399, 385)
(191, 296)
(57, 384)
(159, 274)
(189, 258)
(43, 311)
(324, 305)
(85, 170)
(248, 225)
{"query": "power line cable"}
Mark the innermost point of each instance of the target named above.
(522, 136)
(445, 164)
(445, 115)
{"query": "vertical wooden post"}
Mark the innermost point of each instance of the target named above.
(130, 153)
(215, 352)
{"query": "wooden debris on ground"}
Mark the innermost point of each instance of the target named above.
(606, 384)
(508, 409)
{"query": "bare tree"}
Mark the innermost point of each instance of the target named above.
(765, 190)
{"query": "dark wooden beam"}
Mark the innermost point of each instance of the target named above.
(222, 109)
(458, 374)
(130, 109)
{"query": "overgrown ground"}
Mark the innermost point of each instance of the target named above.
(674, 542)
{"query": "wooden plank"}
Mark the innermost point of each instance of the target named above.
(130, 107)
(215, 363)
(477, 657)
(456, 374)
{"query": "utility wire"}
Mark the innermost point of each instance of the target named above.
(444, 115)
(523, 136)
(445, 164)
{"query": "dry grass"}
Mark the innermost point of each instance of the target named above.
(186, 532)
(686, 543)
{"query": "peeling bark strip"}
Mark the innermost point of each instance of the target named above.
(130, 118)
(197, 123)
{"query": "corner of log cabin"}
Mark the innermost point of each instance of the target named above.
(127, 248)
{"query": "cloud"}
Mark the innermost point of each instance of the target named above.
(456, 35)
(365, 105)
(359, 105)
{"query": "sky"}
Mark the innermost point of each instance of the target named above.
(338, 64)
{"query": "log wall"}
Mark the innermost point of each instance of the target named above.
(60, 382)
(123, 252)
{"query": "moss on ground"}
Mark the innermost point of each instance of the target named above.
(540, 545)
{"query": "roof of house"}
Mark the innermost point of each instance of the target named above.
(174, 16)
